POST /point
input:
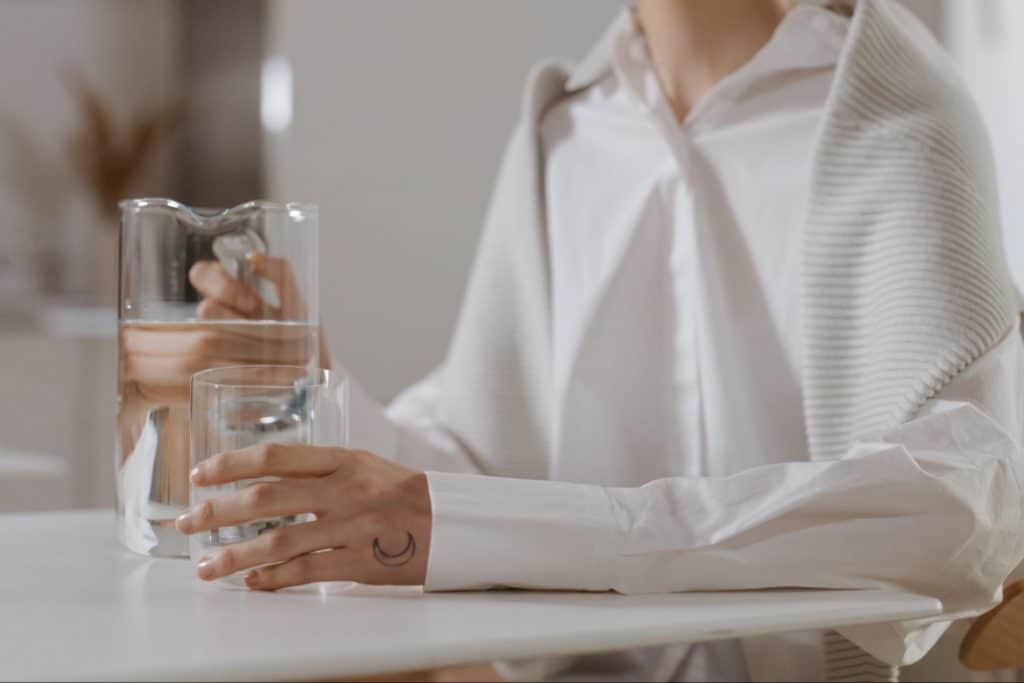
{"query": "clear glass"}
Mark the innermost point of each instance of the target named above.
(241, 406)
(165, 335)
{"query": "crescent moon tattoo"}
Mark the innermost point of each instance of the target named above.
(395, 559)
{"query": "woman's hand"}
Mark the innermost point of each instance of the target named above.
(225, 298)
(159, 359)
(372, 521)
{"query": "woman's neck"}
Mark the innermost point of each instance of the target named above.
(693, 44)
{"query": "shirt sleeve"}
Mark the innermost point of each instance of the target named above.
(933, 507)
(408, 431)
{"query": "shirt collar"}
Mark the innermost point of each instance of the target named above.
(598, 61)
(788, 48)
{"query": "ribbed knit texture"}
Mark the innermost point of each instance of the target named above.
(904, 283)
(844, 661)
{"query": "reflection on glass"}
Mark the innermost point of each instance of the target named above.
(238, 407)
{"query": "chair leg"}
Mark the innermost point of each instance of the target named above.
(845, 661)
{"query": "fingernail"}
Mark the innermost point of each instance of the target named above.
(193, 476)
(184, 522)
(252, 579)
(205, 568)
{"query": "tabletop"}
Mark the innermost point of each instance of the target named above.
(77, 606)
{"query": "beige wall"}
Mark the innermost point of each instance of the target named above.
(128, 51)
(400, 113)
(987, 41)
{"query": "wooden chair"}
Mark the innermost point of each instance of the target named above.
(996, 639)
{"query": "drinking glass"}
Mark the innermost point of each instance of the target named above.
(239, 406)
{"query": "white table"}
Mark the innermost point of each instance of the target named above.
(73, 605)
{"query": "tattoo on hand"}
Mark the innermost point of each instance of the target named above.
(395, 559)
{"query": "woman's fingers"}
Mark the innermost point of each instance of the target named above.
(229, 298)
(240, 343)
(268, 460)
(213, 282)
(329, 565)
(211, 309)
(159, 360)
(262, 500)
(366, 549)
(277, 545)
(279, 272)
(381, 514)
(165, 378)
(332, 468)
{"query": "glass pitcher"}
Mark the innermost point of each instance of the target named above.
(256, 303)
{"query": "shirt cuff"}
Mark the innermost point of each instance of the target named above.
(500, 532)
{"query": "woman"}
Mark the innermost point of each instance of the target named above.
(739, 319)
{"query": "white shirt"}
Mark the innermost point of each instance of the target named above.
(674, 252)
(713, 208)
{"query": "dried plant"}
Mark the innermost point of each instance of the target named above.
(109, 161)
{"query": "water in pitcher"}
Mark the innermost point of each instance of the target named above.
(156, 360)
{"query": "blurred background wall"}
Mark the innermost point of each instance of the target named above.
(391, 115)
(401, 110)
(986, 40)
(125, 50)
